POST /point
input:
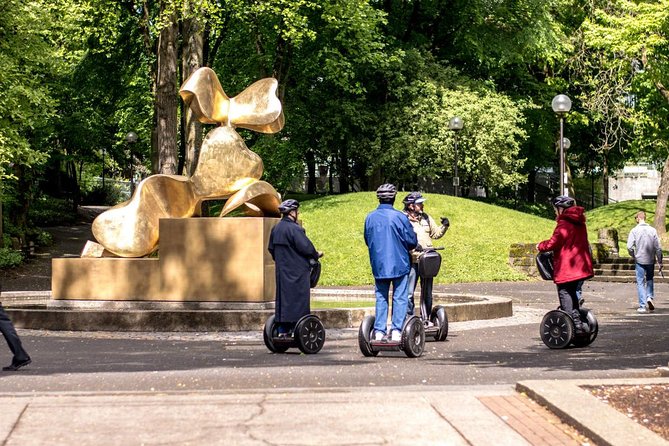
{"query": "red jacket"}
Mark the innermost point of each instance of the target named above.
(572, 260)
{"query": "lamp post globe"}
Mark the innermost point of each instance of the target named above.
(561, 105)
(131, 137)
(456, 125)
(566, 143)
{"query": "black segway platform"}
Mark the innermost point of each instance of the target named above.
(412, 342)
(308, 336)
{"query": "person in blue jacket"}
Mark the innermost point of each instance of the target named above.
(389, 237)
(291, 250)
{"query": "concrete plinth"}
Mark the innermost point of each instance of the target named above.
(201, 260)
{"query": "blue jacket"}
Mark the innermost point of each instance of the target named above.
(389, 237)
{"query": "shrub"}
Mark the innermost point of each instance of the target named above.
(10, 258)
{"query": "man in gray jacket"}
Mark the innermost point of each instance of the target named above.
(643, 244)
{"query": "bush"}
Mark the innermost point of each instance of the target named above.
(10, 258)
(49, 211)
(109, 195)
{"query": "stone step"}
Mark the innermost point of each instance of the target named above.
(626, 279)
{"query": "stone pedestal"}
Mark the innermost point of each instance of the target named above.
(200, 260)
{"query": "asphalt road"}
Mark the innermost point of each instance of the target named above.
(501, 351)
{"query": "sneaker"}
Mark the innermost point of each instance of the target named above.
(429, 324)
(396, 336)
(378, 335)
(641, 310)
(650, 304)
(17, 365)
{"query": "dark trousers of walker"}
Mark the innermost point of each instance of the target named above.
(12, 338)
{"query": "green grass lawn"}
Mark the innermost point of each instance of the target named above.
(619, 216)
(476, 245)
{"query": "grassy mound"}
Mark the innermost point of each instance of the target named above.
(476, 245)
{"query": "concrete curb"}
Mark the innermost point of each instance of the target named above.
(602, 423)
(30, 310)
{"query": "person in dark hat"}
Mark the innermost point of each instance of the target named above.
(292, 251)
(21, 358)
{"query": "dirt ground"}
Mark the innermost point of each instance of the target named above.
(647, 405)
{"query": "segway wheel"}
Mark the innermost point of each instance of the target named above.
(413, 338)
(557, 329)
(584, 341)
(440, 319)
(364, 334)
(310, 335)
(268, 334)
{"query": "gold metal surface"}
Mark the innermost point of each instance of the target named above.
(201, 260)
(226, 168)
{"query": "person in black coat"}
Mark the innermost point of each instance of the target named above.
(292, 251)
(21, 358)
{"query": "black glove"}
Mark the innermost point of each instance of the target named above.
(445, 222)
(418, 247)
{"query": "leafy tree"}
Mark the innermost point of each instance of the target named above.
(634, 33)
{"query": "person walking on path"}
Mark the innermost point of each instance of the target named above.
(21, 358)
(572, 262)
(426, 230)
(389, 238)
(292, 252)
(643, 244)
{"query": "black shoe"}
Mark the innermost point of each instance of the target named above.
(582, 328)
(17, 365)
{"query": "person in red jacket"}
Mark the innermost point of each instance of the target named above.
(572, 262)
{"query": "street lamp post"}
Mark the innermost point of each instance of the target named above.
(561, 105)
(131, 138)
(456, 125)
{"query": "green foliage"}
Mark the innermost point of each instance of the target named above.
(424, 146)
(477, 243)
(49, 211)
(10, 258)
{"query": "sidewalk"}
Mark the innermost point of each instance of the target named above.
(478, 415)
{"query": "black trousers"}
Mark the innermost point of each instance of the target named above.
(569, 300)
(12, 338)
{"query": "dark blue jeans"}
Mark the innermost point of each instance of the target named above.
(12, 338)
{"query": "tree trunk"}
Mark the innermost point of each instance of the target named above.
(605, 181)
(531, 186)
(659, 222)
(311, 169)
(343, 169)
(165, 106)
(192, 59)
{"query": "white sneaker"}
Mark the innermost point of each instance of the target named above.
(378, 335)
(650, 304)
(641, 310)
(396, 336)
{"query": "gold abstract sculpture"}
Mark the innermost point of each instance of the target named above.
(226, 168)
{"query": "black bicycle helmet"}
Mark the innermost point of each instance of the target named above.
(386, 192)
(414, 198)
(288, 205)
(563, 202)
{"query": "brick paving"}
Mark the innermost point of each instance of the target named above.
(536, 424)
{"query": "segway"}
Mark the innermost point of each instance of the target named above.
(309, 333)
(429, 263)
(412, 341)
(557, 327)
